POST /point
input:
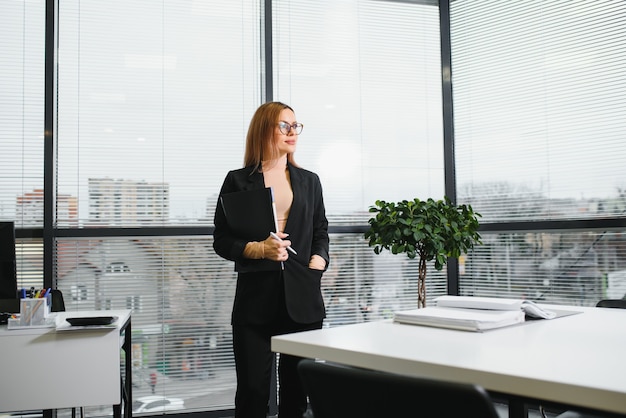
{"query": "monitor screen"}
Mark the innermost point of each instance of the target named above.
(8, 274)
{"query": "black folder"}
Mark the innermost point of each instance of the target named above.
(250, 213)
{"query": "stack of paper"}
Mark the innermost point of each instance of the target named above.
(498, 304)
(459, 318)
(477, 302)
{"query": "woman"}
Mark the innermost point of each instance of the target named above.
(278, 291)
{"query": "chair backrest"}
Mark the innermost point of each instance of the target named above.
(612, 303)
(338, 392)
(58, 304)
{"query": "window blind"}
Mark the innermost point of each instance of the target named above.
(22, 37)
(154, 103)
(365, 79)
(539, 110)
(563, 268)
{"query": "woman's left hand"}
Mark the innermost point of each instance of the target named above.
(317, 263)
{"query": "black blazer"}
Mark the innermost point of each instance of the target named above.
(259, 284)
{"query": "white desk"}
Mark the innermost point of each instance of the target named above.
(43, 368)
(576, 360)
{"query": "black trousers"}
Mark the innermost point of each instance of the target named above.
(253, 363)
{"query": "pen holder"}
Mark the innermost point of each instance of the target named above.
(34, 311)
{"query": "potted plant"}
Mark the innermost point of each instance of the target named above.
(430, 230)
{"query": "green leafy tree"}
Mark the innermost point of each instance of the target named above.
(429, 230)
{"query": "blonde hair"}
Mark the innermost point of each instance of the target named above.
(260, 145)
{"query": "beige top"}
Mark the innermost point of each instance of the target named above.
(277, 178)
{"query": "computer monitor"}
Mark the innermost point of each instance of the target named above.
(8, 272)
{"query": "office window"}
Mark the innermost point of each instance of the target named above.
(539, 116)
(154, 103)
(540, 108)
(22, 37)
(365, 79)
(560, 267)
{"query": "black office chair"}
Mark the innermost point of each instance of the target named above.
(338, 392)
(612, 303)
(58, 304)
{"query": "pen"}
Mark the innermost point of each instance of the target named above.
(276, 237)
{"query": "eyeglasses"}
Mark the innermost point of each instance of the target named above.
(285, 127)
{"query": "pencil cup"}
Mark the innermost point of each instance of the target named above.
(33, 311)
